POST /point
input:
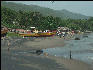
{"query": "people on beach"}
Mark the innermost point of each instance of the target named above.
(46, 54)
(70, 55)
(60, 35)
(8, 45)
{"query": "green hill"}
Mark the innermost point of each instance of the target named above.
(45, 11)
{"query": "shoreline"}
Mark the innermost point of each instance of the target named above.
(71, 64)
(41, 43)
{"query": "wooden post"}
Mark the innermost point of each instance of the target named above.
(70, 55)
(8, 49)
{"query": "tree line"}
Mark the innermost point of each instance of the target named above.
(25, 20)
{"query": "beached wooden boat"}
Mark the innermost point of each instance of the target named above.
(29, 34)
(88, 31)
(46, 34)
(4, 31)
(36, 34)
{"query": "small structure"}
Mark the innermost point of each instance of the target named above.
(77, 32)
(62, 31)
(32, 27)
(35, 31)
(10, 29)
(40, 31)
(20, 30)
(13, 30)
(47, 31)
(27, 31)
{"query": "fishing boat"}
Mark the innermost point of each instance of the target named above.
(88, 31)
(47, 34)
(29, 34)
(37, 34)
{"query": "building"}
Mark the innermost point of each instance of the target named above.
(20, 30)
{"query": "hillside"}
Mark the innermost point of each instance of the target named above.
(45, 11)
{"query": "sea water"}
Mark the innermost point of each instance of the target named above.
(80, 49)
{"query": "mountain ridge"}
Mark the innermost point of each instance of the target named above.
(65, 14)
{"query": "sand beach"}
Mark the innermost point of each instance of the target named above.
(18, 56)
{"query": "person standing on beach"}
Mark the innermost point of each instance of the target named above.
(45, 53)
(8, 45)
(70, 55)
(59, 33)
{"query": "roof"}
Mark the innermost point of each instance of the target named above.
(32, 27)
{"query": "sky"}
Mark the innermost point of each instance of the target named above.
(82, 7)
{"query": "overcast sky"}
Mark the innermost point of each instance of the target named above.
(82, 7)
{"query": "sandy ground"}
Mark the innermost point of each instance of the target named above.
(71, 64)
(46, 43)
(11, 59)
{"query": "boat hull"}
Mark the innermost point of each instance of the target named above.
(37, 34)
(28, 35)
(46, 34)
(4, 31)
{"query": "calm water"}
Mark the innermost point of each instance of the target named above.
(81, 49)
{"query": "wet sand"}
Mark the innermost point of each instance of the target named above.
(49, 42)
(12, 60)
(28, 62)
(71, 64)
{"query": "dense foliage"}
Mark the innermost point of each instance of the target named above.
(22, 19)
